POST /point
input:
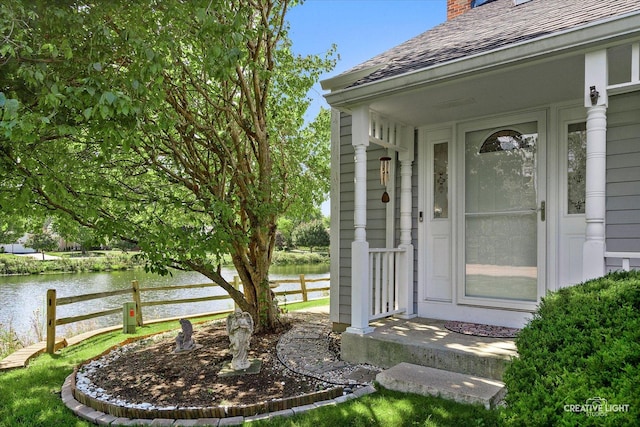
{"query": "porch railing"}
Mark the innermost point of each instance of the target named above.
(625, 256)
(383, 282)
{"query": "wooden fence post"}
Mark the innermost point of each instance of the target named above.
(136, 298)
(51, 320)
(303, 286)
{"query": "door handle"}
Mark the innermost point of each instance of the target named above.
(543, 211)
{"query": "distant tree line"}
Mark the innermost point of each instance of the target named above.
(310, 233)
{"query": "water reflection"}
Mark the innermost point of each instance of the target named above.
(22, 296)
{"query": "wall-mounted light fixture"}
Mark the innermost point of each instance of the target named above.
(385, 167)
(594, 95)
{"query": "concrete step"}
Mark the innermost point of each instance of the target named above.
(427, 342)
(410, 378)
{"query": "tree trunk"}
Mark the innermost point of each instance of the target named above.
(266, 307)
(256, 297)
(252, 266)
(259, 298)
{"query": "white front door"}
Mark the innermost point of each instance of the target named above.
(503, 214)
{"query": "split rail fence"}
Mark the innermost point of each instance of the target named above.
(136, 292)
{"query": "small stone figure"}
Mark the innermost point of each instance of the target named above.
(239, 328)
(184, 341)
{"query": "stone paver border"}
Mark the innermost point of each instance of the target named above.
(282, 408)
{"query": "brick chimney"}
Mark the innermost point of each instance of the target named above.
(457, 7)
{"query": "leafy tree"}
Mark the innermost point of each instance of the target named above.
(172, 125)
(317, 163)
(10, 230)
(12, 226)
(285, 230)
(312, 234)
(41, 242)
(72, 232)
(326, 221)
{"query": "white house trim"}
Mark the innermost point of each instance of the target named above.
(595, 202)
(360, 292)
(565, 256)
(634, 82)
(435, 235)
(596, 76)
(405, 273)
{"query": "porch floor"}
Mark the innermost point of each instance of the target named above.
(427, 342)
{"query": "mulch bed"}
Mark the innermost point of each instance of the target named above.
(153, 373)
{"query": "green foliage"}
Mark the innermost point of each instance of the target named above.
(41, 242)
(176, 126)
(313, 148)
(72, 232)
(390, 408)
(9, 341)
(298, 258)
(285, 233)
(10, 230)
(312, 234)
(582, 344)
(11, 264)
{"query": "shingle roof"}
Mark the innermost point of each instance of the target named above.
(488, 27)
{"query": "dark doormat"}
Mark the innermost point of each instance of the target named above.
(480, 330)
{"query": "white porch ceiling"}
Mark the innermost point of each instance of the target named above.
(497, 92)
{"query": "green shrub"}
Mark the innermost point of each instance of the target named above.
(298, 258)
(11, 264)
(312, 234)
(581, 347)
(9, 341)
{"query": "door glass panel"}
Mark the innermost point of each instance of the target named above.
(576, 167)
(441, 180)
(500, 213)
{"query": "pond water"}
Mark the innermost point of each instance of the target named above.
(23, 297)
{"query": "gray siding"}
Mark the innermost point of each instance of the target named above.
(623, 175)
(346, 216)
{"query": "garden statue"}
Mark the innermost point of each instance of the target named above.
(184, 341)
(239, 328)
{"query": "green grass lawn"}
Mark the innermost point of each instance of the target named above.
(390, 408)
(31, 396)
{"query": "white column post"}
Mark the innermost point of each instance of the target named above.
(596, 80)
(360, 292)
(405, 276)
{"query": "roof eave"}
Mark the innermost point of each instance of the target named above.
(591, 35)
(347, 79)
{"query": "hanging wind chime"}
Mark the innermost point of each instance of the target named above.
(385, 166)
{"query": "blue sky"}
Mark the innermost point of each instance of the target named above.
(361, 29)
